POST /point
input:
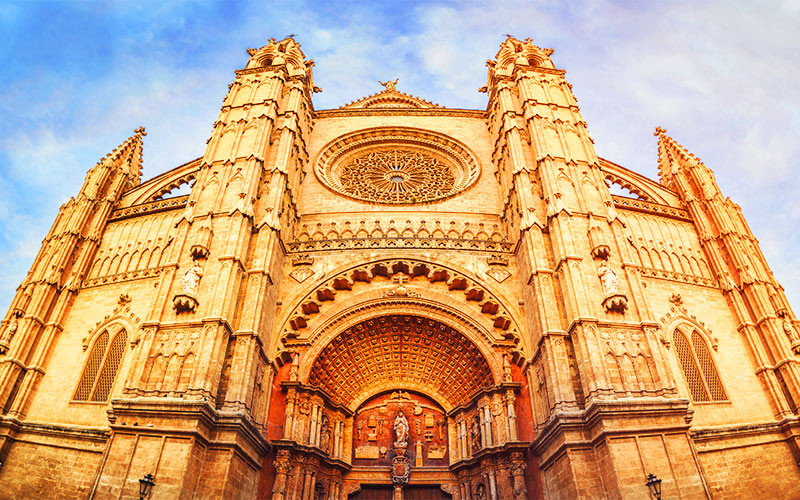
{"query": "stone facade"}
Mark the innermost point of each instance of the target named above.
(332, 269)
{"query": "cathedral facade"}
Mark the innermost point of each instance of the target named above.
(398, 300)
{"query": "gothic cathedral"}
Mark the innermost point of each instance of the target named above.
(398, 300)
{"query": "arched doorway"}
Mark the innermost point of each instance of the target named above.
(341, 416)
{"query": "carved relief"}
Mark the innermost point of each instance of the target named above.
(170, 366)
(396, 165)
(390, 428)
(186, 300)
(422, 352)
(440, 234)
(473, 291)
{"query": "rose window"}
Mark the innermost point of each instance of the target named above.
(397, 176)
(396, 166)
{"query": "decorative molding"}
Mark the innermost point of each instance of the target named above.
(499, 274)
(461, 113)
(149, 208)
(117, 278)
(681, 278)
(301, 273)
(373, 243)
(651, 208)
(347, 166)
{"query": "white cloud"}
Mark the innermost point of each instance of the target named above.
(720, 76)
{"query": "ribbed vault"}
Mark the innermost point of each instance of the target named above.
(400, 351)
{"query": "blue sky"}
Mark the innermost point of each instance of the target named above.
(79, 76)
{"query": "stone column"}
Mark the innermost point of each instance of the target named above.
(282, 468)
(512, 415)
(492, 484)
(312, 430)
(487, 422)
(289, 421)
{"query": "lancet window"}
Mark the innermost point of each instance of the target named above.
(698, 367)
(102, 366)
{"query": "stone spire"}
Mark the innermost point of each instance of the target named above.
(44, 298)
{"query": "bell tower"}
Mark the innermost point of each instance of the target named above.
(599, 364)
(197, 392)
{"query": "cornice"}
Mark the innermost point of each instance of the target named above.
(149, 208)
(651, 208)
(462, 113)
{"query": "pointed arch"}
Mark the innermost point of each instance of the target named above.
(100, 371)
(696, 363)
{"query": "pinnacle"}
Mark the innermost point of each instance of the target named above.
(672, 156)
(128, 154)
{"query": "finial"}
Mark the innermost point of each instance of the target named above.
(140, 131)
(291, 36)
(659, 131)
(390, 85)
(508, 35)
(252, 52)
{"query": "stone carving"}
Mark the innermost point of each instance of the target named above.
(8, 334)
(475, 434)
(301, 274)
(294, 370)
(507, 376)
(325, 435)
(191, 279)
(400, 431)
(455, 366)
(598, 241)
(439, 233)
(396, 166)
(390, 85)
(613, 300)
(480, 492)
(202, 240)
(499, 274)
(789, 330)
(186, 300)
(337, 287)
(397, 176)
(608, 277)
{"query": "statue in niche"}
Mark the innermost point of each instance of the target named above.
(400, 430)
(475, 434)
(608, 278)
(5, 340)
(325, 435)
(480, 492)
(191, 279)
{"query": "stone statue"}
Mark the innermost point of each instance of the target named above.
(191, 279)
(475, 434)
(608, 278)
(480, 492)
(400, 430)
(325, 435)
(390, 85)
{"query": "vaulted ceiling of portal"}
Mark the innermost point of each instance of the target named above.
(401, 351)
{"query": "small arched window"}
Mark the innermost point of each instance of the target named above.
(102, 366)
(698, 368)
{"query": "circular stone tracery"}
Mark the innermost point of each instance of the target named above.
(396, 166)
(397, 176)
(400, 351)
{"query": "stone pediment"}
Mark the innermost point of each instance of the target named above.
(390, 97)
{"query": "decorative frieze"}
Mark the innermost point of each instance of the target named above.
(681, 278)
(149, 208)
(117, 278)
(650, 207)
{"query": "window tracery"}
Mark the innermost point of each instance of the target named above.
(102, 366)
(396, 165)
(697, 366)
(397, 176)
